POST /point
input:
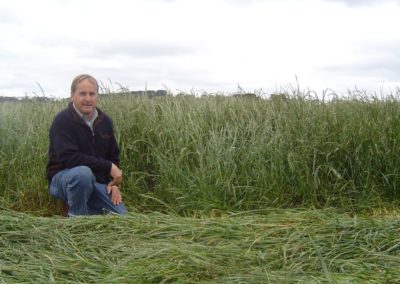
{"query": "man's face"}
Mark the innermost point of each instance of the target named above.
(85, 97)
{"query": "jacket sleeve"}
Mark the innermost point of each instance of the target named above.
(66, 148)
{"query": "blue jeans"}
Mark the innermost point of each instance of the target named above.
(85, 196)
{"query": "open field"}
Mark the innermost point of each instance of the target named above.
(289, 189)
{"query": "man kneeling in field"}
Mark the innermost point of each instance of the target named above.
(82, 167)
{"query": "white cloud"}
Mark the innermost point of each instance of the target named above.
(357, 3)
(210, 45)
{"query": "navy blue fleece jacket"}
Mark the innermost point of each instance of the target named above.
(72, 143)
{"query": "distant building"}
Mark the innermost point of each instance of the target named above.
(150, 93)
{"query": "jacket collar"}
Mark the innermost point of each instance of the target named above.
(77, 117)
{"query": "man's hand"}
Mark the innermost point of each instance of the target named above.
(116, 174)
(116, 197)
(112, 187)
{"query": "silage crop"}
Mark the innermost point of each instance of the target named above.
(188, 154)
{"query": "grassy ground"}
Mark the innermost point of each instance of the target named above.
(203, 158)
(273, 246)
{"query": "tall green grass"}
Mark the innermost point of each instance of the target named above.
(188, 154)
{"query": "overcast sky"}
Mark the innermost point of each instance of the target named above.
(200, 45)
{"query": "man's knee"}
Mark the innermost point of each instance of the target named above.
(82, 175)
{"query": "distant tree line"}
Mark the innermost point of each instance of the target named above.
(25, 99)
(149, 93)
(9, 99)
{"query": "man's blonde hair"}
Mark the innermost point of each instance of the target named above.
(82, 77)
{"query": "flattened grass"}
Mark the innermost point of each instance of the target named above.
(277, 246)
